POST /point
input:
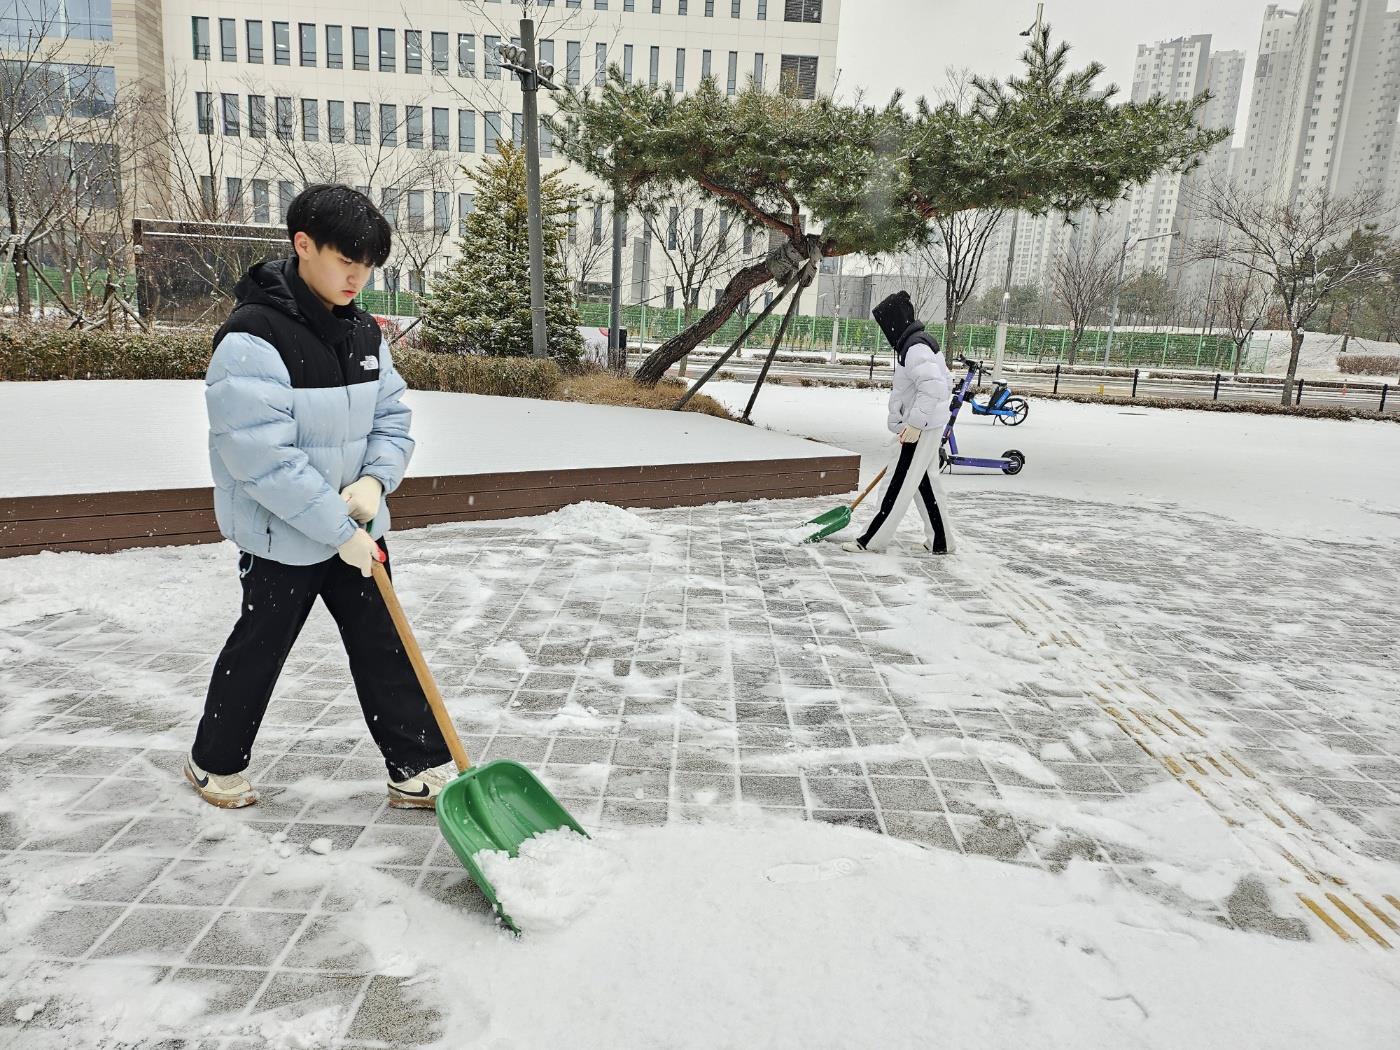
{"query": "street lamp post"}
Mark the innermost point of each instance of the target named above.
(521, 61)
(1004, 319)
(1118, 283)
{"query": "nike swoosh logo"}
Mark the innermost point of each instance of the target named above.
(201, 781)
(413, 794)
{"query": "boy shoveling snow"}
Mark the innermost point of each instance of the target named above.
(307, 433)
(919, 408)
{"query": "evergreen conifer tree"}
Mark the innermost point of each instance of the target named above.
(481, 303)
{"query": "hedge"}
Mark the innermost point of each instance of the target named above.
(46, 352)
(1369, 364)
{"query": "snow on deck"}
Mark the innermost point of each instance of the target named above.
(111, 436)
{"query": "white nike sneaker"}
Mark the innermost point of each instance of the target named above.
(853, 546)
(227, 792)
(421, 791)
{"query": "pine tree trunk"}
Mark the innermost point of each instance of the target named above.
(1293, 351)
(740, 286)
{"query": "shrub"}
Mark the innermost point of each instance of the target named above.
(1369, 364)
(44, 352)
(461, 374)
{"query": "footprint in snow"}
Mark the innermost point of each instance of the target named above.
(838, 868)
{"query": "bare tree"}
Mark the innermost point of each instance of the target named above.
(54, 112)
(586, 250)
(703, 246)
(1082, 278)
(1308, 250)
(1244, 301)
(954, 252)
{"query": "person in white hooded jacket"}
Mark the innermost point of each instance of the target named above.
(920, 403)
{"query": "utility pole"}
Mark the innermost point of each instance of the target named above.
(521, 61)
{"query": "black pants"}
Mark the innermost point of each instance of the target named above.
(277, 599)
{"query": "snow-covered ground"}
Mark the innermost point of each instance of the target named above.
(1304, 477)
(152, 434)
(1073, 787)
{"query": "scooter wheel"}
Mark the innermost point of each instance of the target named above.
(1019, 411)
(1015, 460)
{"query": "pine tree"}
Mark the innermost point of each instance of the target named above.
(481, 303)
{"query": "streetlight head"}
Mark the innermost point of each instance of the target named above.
(511, 53)
(546, 70)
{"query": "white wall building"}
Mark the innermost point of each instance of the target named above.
(417, 86)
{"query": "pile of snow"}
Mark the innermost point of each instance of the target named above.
(590, 520)
(555, 878)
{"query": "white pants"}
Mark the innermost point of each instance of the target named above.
(912, 476)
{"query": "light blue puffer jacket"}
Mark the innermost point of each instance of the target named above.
(300, 405)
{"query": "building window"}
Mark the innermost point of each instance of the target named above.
(709, 8)
(517, 129)
(704, 63)
(257, 117)
(654, 71)
(732, 84)
(442, 211)
(440, 139)
(286, 119)
(389, 208)
(388, 124)
(673, 226)
(228, 39)
(682, 7)
(229, 105)
(413, 118)
(260, 209)
(307, 33)
(416, 204)
(466, 204)
(466, 54)
(491, 134)
(546, 51)
(286, 193)
(387, 58)
(359, 41)
(597, 224)
(362, 121)
(798, 76)
(546, 141)
(310, 127)
(680, 69)
(466, 131)
(200, 29)
(572, 50)
(254, 34)
(204, 112)
(734, 8)
(656, 7)
(629, 5)
(439, 52)
(802, 11)
(412, 51)
(491, 57)
(208, 195)
(600, 64)
(335, 121)
(758, 69)
(763, 10)
(234, 188)
(600, 5)
(281, 44)
(627, 63)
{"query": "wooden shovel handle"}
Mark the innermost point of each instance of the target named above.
(873, 483)
(420, 667)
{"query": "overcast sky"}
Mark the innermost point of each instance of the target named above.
(909, 44)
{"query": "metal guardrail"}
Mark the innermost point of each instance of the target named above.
(1140, 383)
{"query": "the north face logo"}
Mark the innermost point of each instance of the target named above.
(370, 363)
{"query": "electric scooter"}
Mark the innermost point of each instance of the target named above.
(1009, 462)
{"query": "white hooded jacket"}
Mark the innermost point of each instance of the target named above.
(923, 388)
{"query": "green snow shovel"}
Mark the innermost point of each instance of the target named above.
(836, 519)
(496, 806)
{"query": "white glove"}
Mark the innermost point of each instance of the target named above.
(909, 435)
(362, 499)
(361, 552)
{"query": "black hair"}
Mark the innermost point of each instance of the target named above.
(346, 220)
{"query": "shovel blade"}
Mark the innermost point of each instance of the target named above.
(829, 523)
(497, 806)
